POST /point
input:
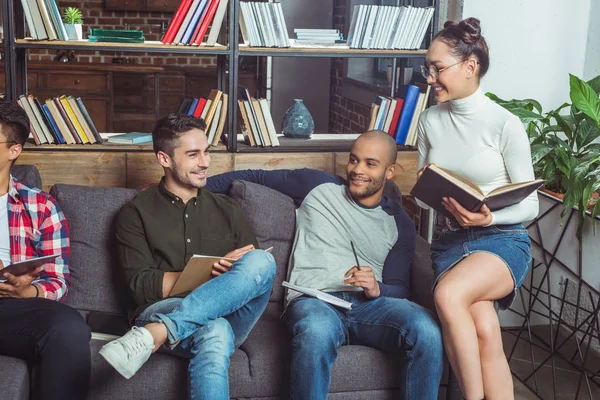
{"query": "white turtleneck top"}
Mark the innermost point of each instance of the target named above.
(484, 142)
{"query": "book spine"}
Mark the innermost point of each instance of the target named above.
(408, 109)
(29, 19)
(48, 114)
(184, 6)
(187, 35)
(222, 120)
(73, 119)
(198, 25)
(62, 125)
(215, 29)
(199, 108)
(81, 120)
(193, 106)
(37, 20)
(205, 23)
(67, 120)
(38, 116)
(185, 22)
(47, 121)
(59, 22)
(36, 139)
(46, 20)
(88, 119)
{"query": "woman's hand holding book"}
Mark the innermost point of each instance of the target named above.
(466, 218)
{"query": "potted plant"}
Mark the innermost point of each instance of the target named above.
(73, 19)
(565, 149)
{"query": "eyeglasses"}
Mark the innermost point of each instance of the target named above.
(9, 141)
(434, 72)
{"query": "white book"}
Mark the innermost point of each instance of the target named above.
(326, 297)
(417, 27)
(262, 23)
(40, 119)
(257, 25)
(215, 29)
(37, 20)
(215, 122)
(403, 26)
(46, 20)
(255, 129)
(360, 26)
(386, 28)
(423, 29)
(395, 25)
(414, 122)
(266, 112)
(410, 29)
(375, 27)
(186, 21)
(29, 20)
(319, 31)
(368, 33)
(32, 119)
(245, 16)
(205, 109)
(285, 38)
(266, 12)
(279, 42)
(243, 24)
(355, 12)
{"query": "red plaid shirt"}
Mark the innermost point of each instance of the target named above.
(37, 227)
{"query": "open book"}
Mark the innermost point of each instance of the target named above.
(436, 182)
(197, 272)
(23, 267)
(336, 301)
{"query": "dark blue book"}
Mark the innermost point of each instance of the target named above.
(193, 107)
(408, 109)
(52, 124)
(88, 119)
(185, 105)
(187, 36)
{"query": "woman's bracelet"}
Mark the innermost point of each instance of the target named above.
(37, 290)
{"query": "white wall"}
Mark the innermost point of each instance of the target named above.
(534, 45)
(592, 57)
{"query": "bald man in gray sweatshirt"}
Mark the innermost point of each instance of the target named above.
(331, 214)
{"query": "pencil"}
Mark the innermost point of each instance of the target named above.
(355, 256)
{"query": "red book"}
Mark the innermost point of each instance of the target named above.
(176, 21)
(396, 117)
(204, 23)
(199, 108)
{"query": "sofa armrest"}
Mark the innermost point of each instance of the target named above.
(422, 275)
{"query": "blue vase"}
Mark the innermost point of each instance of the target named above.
(297, 122)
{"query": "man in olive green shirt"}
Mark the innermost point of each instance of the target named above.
(157, 233)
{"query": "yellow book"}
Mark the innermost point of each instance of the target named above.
(260, 119)
(60, 122)
(81, 119)
(74, 120)
(215, 96)
(245, 124)
(222, 119)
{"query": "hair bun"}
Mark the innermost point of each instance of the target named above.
(469, 30)
(448, 24)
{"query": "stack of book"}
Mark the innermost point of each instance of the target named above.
(116, 35)
(318, 36)
(256, 121)
(191, 20)
(263, 25)
(44, 20)
(388, 27)
(61, 120)
(213, 110)
(399, 116)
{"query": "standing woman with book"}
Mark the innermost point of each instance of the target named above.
(481, 258)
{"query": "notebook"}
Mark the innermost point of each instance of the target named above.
(326, 297)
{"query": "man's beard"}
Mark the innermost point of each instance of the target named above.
(180, 176)
(372, 187)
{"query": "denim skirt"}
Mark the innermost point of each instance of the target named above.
(508, 242)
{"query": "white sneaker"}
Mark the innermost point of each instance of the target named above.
(128, 353)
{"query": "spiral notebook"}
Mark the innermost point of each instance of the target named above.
(336, 301)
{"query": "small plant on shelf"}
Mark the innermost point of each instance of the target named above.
(73, 19)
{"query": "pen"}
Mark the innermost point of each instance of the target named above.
(355, 257)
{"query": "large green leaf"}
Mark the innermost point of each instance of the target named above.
(585, 98)
(524, 115)
(595, 84)
(539, 151)
(586, 135)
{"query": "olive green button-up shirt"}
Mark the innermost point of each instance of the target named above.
(157, 233)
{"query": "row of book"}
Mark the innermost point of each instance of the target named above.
(44, 20)
(213, 110)
(399, 116)
(256, 121)
(263, 25)
(318, 36)
(388, 27)
(60, 120)
(191, 21)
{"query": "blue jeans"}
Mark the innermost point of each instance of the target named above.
(399, 326)
(209, 323)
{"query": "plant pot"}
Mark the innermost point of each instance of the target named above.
(297, 122)
(553, 194)
(74, 31)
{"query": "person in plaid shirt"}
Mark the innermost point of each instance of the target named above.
(52, 337)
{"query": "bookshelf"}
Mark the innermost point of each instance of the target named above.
(228, 56)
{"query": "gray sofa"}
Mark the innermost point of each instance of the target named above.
(260, 367)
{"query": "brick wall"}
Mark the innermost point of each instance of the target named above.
(94, 16)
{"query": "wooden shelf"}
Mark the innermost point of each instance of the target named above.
(245, 50)
(104, 147)
(148, 47)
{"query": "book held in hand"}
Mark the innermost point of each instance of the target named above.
(25, 266)
(326, 297)
(436, 183)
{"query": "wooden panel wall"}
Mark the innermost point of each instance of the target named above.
(139, 169)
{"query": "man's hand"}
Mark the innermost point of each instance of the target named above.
(420, 172)
(19, 286)
(223, 266)
(466, 218)
(364, 278)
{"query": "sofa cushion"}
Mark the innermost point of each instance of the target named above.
(273, 217)
(96, 283)
(14, 378)
(27, 174)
